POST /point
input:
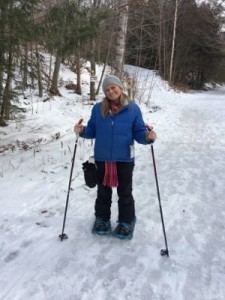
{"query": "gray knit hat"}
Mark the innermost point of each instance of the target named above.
(111, 80)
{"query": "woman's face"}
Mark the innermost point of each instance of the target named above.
(113, 92)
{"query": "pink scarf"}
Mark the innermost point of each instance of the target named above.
(115, 106)
(110, 178)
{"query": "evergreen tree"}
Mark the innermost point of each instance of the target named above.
(66, 28)
(16, 29)
(178, 37)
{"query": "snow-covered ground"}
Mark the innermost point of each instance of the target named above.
(34, 174)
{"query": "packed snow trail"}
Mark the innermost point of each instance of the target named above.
(189, 154)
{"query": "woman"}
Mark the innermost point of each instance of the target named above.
(115, 124)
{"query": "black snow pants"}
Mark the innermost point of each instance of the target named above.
(126, 207)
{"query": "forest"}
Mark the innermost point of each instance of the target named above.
(182, 40)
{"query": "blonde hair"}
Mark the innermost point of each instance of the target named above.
(106, 107)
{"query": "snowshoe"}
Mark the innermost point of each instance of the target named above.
(124, 230)
(101, 227)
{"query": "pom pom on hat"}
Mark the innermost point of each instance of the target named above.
(111, 80)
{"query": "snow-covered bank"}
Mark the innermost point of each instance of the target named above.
(190, 163)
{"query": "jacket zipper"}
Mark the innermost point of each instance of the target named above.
(112, 133)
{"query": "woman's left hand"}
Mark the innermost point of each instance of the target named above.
(150, 135)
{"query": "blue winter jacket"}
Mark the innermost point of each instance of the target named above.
(115, 134)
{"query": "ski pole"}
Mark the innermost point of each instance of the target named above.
(163, 251)
(64, 236)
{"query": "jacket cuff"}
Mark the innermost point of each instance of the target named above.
(81, 134)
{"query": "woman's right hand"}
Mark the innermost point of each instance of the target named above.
(79, 128)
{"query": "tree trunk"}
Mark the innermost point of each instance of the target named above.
(140, 44)
(25, 66)
(1, 74)
(78, 85)
(100, 81)
(173, 41)
(5, 93)
(40, 86)
(93, 72)
(49, 72)
(5, 112)
(165, 58)
(54, 86)
(2, 50)
(96, 4)
(121, 38)
(106, 61)
(160, 37)
(2, 122)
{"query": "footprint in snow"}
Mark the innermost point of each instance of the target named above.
(41, 224)
(12, 255)
(26, 244)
